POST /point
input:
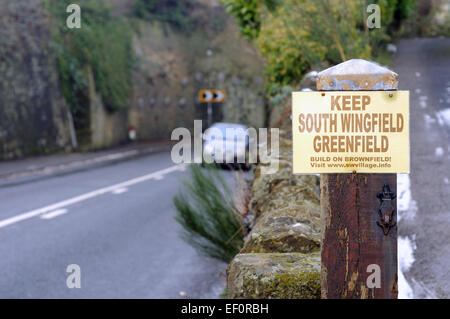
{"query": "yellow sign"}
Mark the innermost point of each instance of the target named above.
(212, 96)
(350, 131)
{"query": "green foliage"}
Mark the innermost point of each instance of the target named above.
(404, 9)
(174, 12)
(247, 14)
(300, 35)
(103, 44)
(211, 222)
(224, 294)
(393, 12)
(295, 36)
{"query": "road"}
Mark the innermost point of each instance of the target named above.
(424, 226)
(122, 235)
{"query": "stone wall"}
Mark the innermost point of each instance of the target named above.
(171, 66)
(281, 253)
(106, 128)
(33, 114)
(174, 66)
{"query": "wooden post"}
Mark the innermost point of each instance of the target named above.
(354, 245)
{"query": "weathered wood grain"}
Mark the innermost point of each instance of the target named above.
(351, 237)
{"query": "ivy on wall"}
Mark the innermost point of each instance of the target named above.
(103, 43)
(174, 12)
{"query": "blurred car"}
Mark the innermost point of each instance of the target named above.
(226, 144)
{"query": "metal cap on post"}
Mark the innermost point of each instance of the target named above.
(356, 75)
(354, 246)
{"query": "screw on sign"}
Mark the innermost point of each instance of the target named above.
(355, 133)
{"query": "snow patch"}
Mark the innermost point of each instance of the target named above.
(428, 120)
(406, 247)
(301, 226)
(444, 117)
(439, 151)
(404, 289)
(407, 209)
(405, 250)
(423, 101)
(392, 48)
(312, 74)
(406, 206)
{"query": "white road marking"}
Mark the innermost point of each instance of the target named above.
(119, 191)
(54, 213)
(77, 199)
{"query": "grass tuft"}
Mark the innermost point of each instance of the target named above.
(210, 219)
